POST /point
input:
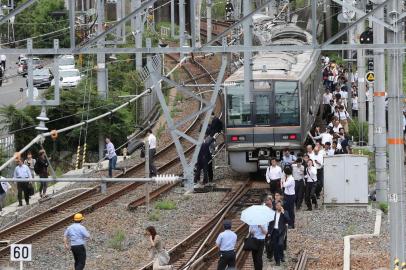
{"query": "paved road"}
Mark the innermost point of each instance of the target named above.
(10, 90)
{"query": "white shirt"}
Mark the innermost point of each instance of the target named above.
(297, 171)
(325, 137)
(319, 158)
(277, 216)
(257, 232)
(273, 173)
(111, 151)
(336, 129)
(327, 98)
(289, 185)
(311, 174)
(330, 152)
(226, 240)
(343, 115)
(355, 103)
(3, 57)
(311, 154)
(152, 141)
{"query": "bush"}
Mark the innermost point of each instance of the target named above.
(117, 240)
(371, 177)
(358, 130)
(165, 205)
(384, 207)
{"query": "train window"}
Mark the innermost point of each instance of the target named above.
(238, 110)
(262, 114)
(286, 103)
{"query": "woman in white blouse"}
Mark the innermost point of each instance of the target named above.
(311, 184)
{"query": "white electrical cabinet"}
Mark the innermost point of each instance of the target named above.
(346, 179)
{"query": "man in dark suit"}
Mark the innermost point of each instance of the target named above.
(277, 230)
(203, 161)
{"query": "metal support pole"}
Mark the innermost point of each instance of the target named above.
(192, 10)
(370, 115)
(101, 67)
(327, 17)
(395, 141)
(361, 74)
(172, 18)
(349, 69)
(379, 116)
(139, 29)
(181, 25)
(314, 24)
(209, 26)
(247, 28)
(72, 7)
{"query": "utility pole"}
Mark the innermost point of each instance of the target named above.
(181, 25)
(379, 108)
(101, 68)
(361, 71)
(72, 8)
(371, 106)
(209, 26)
(247, 24)
(138, 35)
(396, 196)
(172, 18)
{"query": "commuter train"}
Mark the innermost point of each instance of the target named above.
(286, 95)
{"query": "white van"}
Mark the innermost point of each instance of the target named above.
(66, 62)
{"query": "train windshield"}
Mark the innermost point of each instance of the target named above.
(286, 103)
(238, 110)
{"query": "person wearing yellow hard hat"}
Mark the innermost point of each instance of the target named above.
(75, 238)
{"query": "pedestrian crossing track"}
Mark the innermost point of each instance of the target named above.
(33, 228)
(199, 251)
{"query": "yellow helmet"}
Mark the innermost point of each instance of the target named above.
(78, 217)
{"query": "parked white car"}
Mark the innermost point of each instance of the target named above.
(66, 62)
(68, 78)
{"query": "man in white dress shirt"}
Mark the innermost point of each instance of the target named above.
(152, 152)
(21, 172)
(273, 176)
(318, 160)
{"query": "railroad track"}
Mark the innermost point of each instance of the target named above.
(35, 227)
(198, 250)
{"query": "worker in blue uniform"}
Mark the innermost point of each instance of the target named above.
(75, 238)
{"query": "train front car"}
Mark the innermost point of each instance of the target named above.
(286, 96)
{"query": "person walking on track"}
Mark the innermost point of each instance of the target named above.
(277, 232)
(289, 185)
(75, 238)
(258, 232)
(41, 168)
(298, 175)
(226, 242)
(112, 157)
(311, 183)
(22, 171)
(158, 253)
(273, 176)
(151, 152)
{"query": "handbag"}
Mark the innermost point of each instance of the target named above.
(30, 189)
(142, 153)
(250, 244)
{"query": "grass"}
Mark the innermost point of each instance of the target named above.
(350, 230)
(160, 130)
(165, 205)
(179, 98)
(371, 176)
(175, 111)
(117, 240)
(155, 215)
(384, 207)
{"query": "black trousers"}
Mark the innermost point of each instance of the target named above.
(43, 186)
(227, 260)
(310, 195)
(79, 255)
(257, 255)
(290, 207)
(278, 245)
(320, 182)
(202, 165)
(210, 171)
(269, 247)
(22, 187)
(326, 111)
(275, 186)
(299, 192)
(152, 168)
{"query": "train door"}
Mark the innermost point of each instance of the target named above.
(263, 100)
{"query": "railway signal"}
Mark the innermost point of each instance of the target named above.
(367, 37)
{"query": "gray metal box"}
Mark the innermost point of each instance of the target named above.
(346, 179)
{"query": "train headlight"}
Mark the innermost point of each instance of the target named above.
(289, 137)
